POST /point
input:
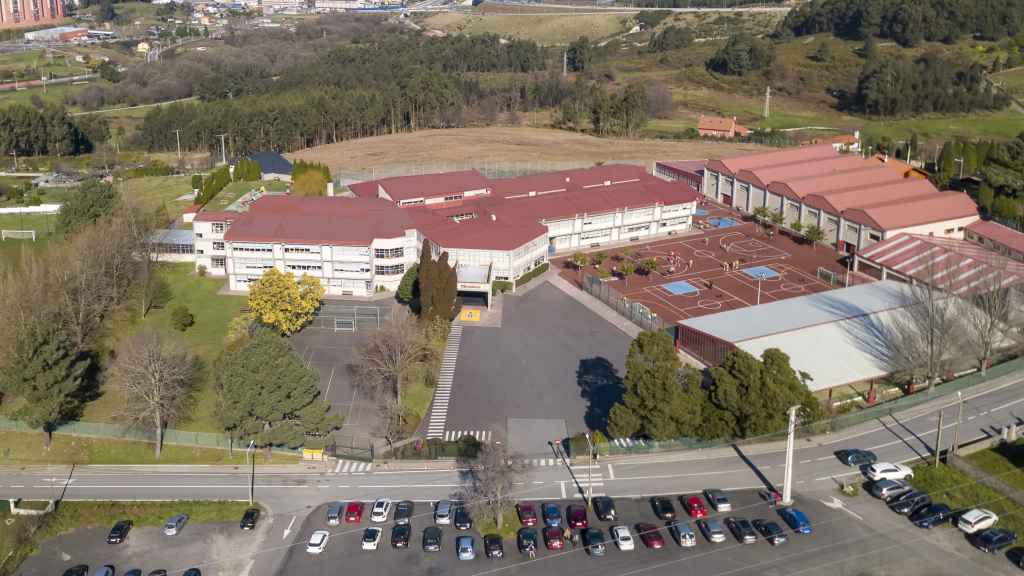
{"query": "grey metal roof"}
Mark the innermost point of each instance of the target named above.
(272, 163)
(175, 236)
(801, 312)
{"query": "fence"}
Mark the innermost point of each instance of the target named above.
(487, 168)
(350, 448)
(350, 318)
(635, 312)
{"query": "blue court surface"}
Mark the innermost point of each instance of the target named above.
(700, 212)
(680, 288)
(721, 222)
(760, 272)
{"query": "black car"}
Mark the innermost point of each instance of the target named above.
(856, 457)
(192, 572)
(80, 570)
(249, 519)
(463, 521)
(741, 529)
(932, 516)
(604, 507)
(493, 546)
(770, 531)
(431, 539)
(993, 540)
(593, 539)
(1016, 556)
(663, 508)
(911, 503)
(133, 572)
(526, 540)
(403, 512)
(119, 533)
(400, 535)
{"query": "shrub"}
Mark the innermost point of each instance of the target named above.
(500, 286)
(532, 274)
(201, 270)
(181, 318)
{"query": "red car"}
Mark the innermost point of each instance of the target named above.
(553, 538)
(577, 516)
(695, 507)
(527, 514)
(354, 512)
(651, 536)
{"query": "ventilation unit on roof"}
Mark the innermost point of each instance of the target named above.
(532, 193)
(494, 218)
(607, 182)
(567, 179)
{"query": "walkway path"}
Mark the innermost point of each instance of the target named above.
(443, 390)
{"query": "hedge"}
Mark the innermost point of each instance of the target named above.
(532, 274)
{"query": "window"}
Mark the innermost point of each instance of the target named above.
(218, 227)
(199, 234)
(301, 250)
(453, 198)
(411, 202)
(463, 216)
(303, 267)
(388, 252)
(392, 270)
(639, 228)
(253, 249)
(217, 262)
(218, 245)
(950, 230)
(875, 237)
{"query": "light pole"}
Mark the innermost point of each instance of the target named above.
(787, 483)
(177, 137)
(590, 469)
(959, 417)
(252, 469)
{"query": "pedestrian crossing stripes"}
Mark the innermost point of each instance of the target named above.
(443, 389)
(454, 435)
(352, 467)
(629, 442)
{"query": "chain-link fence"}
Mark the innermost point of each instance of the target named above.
(489, 169)
(635, 312)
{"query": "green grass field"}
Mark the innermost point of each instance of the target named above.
(959, 491)
(154, 192)
(1006, 461)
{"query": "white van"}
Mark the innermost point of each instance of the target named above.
(443, 512)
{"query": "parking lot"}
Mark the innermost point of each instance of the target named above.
(851, 542)
(552, 358)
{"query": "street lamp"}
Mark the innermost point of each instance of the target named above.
(787, 483)
(590, 469)
(252, 469)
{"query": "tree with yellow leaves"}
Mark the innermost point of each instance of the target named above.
(278, 300)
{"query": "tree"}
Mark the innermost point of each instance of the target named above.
(388, 354)
(109, 72)
(742, 54)
(814, 234)
(777, 218)
(990, 316)
(92, 200)
(598, 258)
(763, 214)
(310, 183)
(648, 266)
(627, 268)
(670, 38)
(1004, 208)
(181, 318)
(46, 372)
(106, 12)
(438, 283)
(579, 260)
(407, 288)
(278, 300)
(579, 55)
(986, 196)
(268, 395)
(823, 53)
(491, 480)
(155, 373)
(247, 170)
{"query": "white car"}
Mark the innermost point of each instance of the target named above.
(317, 541)
(623, 539)
(371, 538)
(977, 520)
(380, 511)
(888, 471)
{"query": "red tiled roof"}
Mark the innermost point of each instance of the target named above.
(563, 180)
(732, 165)
(762, 176)
(425, 185)
(693, 166)
(480, 233)
(192, 209)
(214, 216)
(716, 123)
(314, 220)
(827, 184)
(596, 200)
(923, 209)
(999, 234)
(861, 195)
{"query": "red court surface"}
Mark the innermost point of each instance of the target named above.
(712, 261)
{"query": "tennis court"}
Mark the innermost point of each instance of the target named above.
(680, 288)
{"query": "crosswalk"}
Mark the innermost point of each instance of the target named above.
(589, 476)
(352, 467)
(454, 435)
(443, 390)
(629, 442)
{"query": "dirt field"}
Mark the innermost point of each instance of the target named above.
(462, 148)
(541, 28)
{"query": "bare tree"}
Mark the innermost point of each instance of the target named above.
(155, 372)
(388, 354)
(989, 315)
(490, 480)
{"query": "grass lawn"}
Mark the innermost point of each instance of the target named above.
(11, 250)
(235, 190)
(27, 448)
(486, 524)
(1006, 461)
(156, 191)
(205, 339)
(959, 491)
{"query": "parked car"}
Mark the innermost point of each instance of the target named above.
(106, 570)
(593, 539)
(742, 530)
(888, 471)
(889, 489)
(354, 512)
(976, 520)
(527, 514)
(604, 508)
(431, 539)
(464, 546)
(317, 541)
(160, 572)
(796, 520)
(192, 572)
(551, 514)
(133, 572)
(249, 519)
(403, 512)
(770, 531)
(623, 538)
(175, 523)
(443, 512)
(1016, 557)
(552, 537)
(695, 507)
(119, 533)
(463, 521)
(526, 540)
(650, 536)
(400, 535)
(910, 502)
(993, 540)
(381, 510)
(856, 457)
(334, 510)
(717, 499)
(80, 570)
(576, 515)
(682, 533)
(371, 538)
(494, 548)
(711, 530)
(663, 508)
(934, 515)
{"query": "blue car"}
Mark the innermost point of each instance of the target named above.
(796, 520)
(552, 514)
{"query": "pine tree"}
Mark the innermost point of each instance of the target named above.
(986, 196)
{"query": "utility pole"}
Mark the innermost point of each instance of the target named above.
(959, 417)
(565, 62)
(938, 439)
(223, 153)
(960, 161)
(252, 470)
(787, 483)
(177, 137)
(590, 469)
(767, 101)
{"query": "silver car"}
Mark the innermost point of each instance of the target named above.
(889, 489)
(718, 500)
(711, 529)
(443, 512)
(175, 524)
(682, 533)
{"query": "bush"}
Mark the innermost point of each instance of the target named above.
(501, 286)
(201, 270)
(181, 318)
(532, 274)
(742, 53)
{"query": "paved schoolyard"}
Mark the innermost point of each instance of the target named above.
(552, 358)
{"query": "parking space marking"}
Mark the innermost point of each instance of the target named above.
(330, 381)
(561, 485)
(611, 472)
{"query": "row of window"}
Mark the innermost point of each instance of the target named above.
(388, 252)
(389, 270)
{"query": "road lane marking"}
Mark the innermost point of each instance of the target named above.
(288, 530)
(329, 382)
(561, 484)
(806, 461)
(1007, 405)
(338, 467)
(611, 472)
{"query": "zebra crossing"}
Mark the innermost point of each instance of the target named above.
(443, 390)
(352, 467)
(589, 476)
(629, 442)
(453, 435)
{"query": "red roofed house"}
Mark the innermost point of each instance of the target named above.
(1006, 241)
(718, 127)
